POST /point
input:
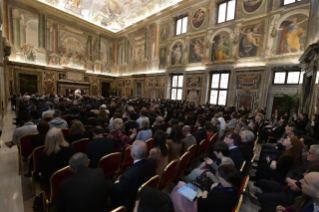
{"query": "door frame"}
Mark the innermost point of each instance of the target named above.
(135, 88)
(39, 78)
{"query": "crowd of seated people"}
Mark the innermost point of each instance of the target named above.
(289, 148)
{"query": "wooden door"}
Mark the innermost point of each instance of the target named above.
(105, 88)
(28, 83)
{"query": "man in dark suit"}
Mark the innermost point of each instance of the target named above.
(200, 134)
(85, 190)
(232, 140)
(100, 147)
(275, 132)
(158, 124)
(188, 139)
(247, 144)
(131, 123)
(123, 191)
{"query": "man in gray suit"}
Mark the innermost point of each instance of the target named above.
(189, 139)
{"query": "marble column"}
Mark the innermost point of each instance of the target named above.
(55, 37)
(41, 52)
(146, 43)
(97, 63)
(5, 21)
(48, 37)
(10, 30)
(125, 51)
(115, 52)
(16, 29)
(23, 33)
(157, 40)
(89, 63)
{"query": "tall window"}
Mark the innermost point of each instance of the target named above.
(226, 11)
(219, 88)
(181, 25)
(177, 87)
(290, 1)
(287, 78)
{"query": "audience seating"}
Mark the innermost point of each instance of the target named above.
(92, 119)
(248, 165)
(166, 124)
(80, 145)
(153, 183)
(271, 138)
(105, 134)
(237, 207)
(191, 127)
(202, 147)
(65, 132)
(35, 155)
(120, 209)
(195, 129)
(50, 196)
(168, 174)
(260, 126)
(212, 141)
(127, 160)
(183, 161)
(242, 167)
(130, 132)
(25, 149)
(65, 118)
(48, 119)
(88, 128)
(110, 164)
(106, 126)
(243, 185)
(149, 143)
(192, 149)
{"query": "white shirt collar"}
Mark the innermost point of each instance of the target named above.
(135, 161)
(199, 128)
(233, 147)
(315, 207)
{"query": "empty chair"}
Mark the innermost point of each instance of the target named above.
(80, 145)
(153, 183)
(120, 209)
(58, 176)
(127, 160)
(183, 161)
(110, 164)
(168, 174)
(149, 143)
(25, 148)
(36, 154)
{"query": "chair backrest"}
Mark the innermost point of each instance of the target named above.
(168, 174)
(36, 154)
(56, 179)
(243, 185)
(242, 167)
(202, 147)
(192, 149)
(47, 119)
(183, 161)
(88, 128)
(195, 129)
(149, 143)
(191, 127)
(80, 145)
(237, 207)
(166, 124)
(248, 166)
(127, 160)
(153, 183)
(212, 141)
(260, 126)
(110, 164)
(25, 144)
(120, 209)
(65, 132)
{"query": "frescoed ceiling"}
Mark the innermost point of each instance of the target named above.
(113, 15)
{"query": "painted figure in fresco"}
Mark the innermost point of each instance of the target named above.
(251, 38)
(199, 17)
(164, 33)
(27, 50)
(193, 96)
(220, 49)
(76, 3)
(197, 51)
(177, 55)
(140, 54)
(162, 58)
(291, 37)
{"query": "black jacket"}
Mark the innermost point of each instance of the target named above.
(131, 125)
(247, 150)
(200, 135)
(98, 148)
(158, 127)
(237, 156)
(278, 131)
(84, 191)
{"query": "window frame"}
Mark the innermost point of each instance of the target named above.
(178, 18)
(219, 89)
(286, 77)
(177, 88)
(283, 3)
(226, 11)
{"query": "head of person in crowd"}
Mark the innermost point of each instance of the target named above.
(310, 186)
(138, 150)
(98, 131)
(221, 149)
(229, 176)
(307, 141)
(103, 115)
(145, 123)
(186, 130)
(294, 149)
(252, 125)
(78, 161)
(57, 113)
(54, 140)
(176, 134)
(118, 124)
(247, 136)
(160, 142)
(240, 126)
(76, 128)
(200, 122)
(232, 139)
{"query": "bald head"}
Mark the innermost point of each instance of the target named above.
(138, 150)
(310, 185)
(159, 119)
(186, 130)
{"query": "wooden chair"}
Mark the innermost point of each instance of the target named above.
(202, 147)
(127, 160)
(35, 155)
(25, 149)
(183, 161)
(192, 149)
(243, 185)
(88, 128)
(248, 166)
(242, 167)
(153, 183)
(237, 207)
(168, 174)
(212, 141)
(57, 177)
(149, 143)
(65, 132)
(80, 145)
(120, 209)
(110, 164)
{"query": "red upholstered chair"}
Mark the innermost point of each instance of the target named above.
(127, 160)
(65, 132)
(166, 135)
(120, 209)
(195, 129)
(212, 142)
(200, 116)
(183, 161)
(243, 185)
(192, 149)
(202, 147)
(153, 183)
(248, 165)
(237, 207)
(65, 118)
(80, 145)
(25, 149)
(208, 136)
(242, 167)
(191, 127)
(88, 128)
(58, 176)
(149, 143)
(48, 119)
(110, 164)
(166, 124)
(36, 154)
(92, 119)
(168, 174)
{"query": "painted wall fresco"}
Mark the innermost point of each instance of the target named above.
(249, 8)
(196, 50)
(314, 21)
(155, 87)
(162, 58)
(113, 15)
(177, 54)
(193, 88)
(221, 48)
(198, 18)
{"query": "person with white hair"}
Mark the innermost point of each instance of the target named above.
(104, 107)
(247, 144)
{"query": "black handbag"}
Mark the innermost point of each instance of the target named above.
(203, 182)
(38, 203)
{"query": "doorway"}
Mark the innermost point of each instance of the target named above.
(28, 83)
(278, 101)
(105, 88)
(139, 89)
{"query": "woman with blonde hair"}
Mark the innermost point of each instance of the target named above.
(55, 156)
(77, 132)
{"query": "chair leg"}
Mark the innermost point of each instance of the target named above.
(44, 201)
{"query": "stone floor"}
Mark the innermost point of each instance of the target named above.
(16, 190)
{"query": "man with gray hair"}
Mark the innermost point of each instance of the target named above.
(85, 190)
(158, 124)
(49, 112)
(57, 121)
(123, 191)
(189, 139)
(247, 144)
